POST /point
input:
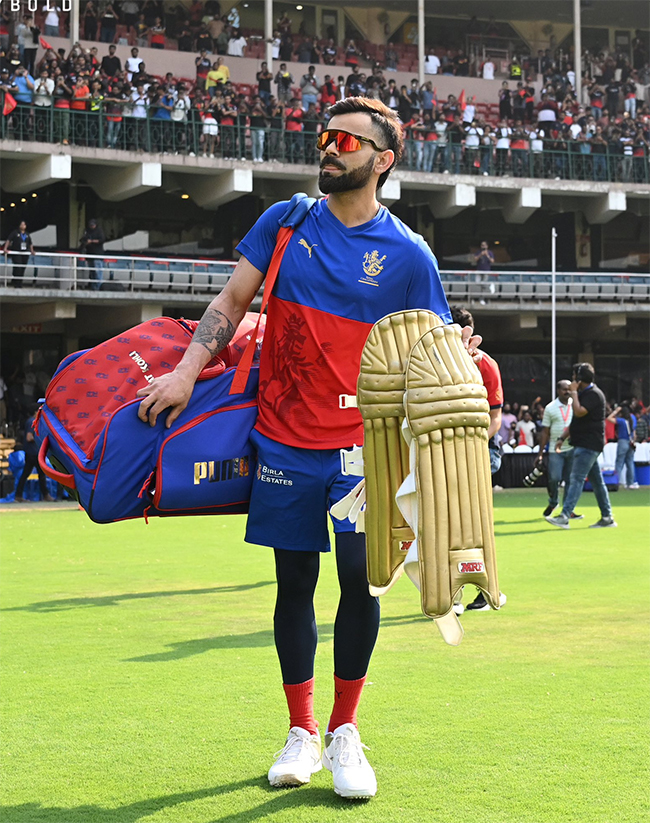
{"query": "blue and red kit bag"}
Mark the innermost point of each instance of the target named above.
(121, 467)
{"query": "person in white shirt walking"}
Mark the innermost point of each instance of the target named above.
(557, 416)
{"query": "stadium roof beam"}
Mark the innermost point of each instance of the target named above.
(115, 184)
(520, 205)
(606, 207)
(451, 202)
(210, 192)
(36, 172)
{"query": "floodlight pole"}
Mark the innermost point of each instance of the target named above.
(74, 23)
(420, 43)
(268, 33)
(577, 49)
(553, 317)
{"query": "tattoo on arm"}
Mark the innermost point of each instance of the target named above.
(214, 332)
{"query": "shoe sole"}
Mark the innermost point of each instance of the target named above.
(355, 794)
(608, 526)
(485, 608)
(559, 525)
(294, 779)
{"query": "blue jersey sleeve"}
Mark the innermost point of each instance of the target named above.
(258, 245)
(425, 289)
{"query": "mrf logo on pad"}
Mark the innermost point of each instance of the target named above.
(471, 567)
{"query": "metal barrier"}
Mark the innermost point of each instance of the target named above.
(122, 130)
(71, 272)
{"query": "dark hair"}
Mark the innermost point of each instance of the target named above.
(384, 118)
(584, 372)
(461, 316)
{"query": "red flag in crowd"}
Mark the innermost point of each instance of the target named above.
(462, 101)
(44, 43)
(9, 104)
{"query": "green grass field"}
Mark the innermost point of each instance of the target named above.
(140, 683)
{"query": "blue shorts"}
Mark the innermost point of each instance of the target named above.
(293, 490)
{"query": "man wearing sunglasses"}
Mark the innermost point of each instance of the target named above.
(349, 263)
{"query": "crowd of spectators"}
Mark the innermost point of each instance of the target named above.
(521, 425)
(539, 131)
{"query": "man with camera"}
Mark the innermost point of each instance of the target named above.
(557, 416)
(587, 433)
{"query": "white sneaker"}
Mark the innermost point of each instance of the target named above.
(298, 760)
(633, 486)
(343, 756)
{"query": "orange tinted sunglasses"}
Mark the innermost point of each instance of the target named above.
(345, 141)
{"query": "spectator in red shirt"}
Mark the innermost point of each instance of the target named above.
(293, 128)
(328, 92)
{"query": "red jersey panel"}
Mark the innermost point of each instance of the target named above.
(295, 403)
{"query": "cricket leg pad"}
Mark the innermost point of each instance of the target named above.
(380, 399)
(448, 416)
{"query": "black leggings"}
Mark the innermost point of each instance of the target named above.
(357, 618)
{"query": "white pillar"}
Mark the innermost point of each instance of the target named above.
(577, 48)
(74, 23)
(420, 42)
(268, 32)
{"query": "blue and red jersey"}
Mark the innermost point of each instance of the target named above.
(334, 283)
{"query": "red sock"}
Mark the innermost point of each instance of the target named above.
(300, 699)
(347, 694)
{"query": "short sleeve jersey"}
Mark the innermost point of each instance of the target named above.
(491, 375)
(588, 431)
(334, 283)
(625, 429)
(557, 416)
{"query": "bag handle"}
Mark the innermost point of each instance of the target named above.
(66, 480)
(243, 369)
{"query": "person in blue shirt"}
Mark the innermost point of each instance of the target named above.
(161, 126)
(31, 463)
(625, 427)
(348, 263)
(25, 84)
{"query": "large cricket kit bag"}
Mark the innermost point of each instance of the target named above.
(120, 467)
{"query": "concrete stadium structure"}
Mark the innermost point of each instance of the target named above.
(168, 208)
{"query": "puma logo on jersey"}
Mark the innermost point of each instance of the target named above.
(309, 248)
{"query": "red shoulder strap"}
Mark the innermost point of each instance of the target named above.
(243, 369)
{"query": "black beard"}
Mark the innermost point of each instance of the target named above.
(350, 181)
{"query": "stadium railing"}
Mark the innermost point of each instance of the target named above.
(105, 129)
(75, 271)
